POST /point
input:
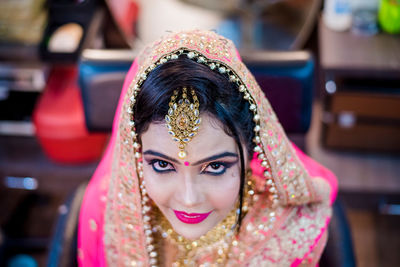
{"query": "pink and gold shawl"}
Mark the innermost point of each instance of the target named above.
(293, 234)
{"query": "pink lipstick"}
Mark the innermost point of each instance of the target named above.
(191, 218)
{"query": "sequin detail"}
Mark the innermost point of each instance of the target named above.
(124, 238)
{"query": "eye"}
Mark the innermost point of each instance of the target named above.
(215, 168)
(161, 166)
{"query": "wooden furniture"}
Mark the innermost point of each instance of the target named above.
(360, 114)
(362, 90)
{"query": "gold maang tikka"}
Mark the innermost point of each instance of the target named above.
(183, 118)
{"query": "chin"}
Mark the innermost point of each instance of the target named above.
(190, 234)
(190, 231)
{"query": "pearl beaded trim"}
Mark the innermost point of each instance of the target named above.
(223, 69)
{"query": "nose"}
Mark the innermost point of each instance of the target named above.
(189, 193)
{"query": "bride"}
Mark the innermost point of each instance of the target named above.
(199, 172)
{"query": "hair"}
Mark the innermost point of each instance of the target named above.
(218, 97)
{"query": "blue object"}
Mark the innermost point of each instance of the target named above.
(22, 260)
(287, 79)
(101, 76)
(230, 28)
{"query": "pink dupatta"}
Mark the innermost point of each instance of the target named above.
(301, 224)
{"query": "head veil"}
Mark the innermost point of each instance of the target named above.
(286, 182)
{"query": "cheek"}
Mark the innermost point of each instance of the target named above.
(157, 189)
(224, 193)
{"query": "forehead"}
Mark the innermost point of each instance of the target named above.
(210, 139)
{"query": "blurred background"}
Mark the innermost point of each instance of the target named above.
(331, 70)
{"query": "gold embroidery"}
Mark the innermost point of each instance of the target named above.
(219, 238)
(124, 233)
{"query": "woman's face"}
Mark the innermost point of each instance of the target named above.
(196, 193)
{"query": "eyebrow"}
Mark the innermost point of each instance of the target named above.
(218, 156)
(158, 154)
(211, 158)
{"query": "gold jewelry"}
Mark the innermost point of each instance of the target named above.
(221, 237)
(183, 119)
(186, 123)
(249, 192)
(214, 65)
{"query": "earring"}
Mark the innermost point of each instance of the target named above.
(249, 191)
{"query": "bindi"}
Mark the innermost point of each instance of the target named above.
(187, 163)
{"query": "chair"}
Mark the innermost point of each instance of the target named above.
(339, 249)
(101, 76)
(286, 78)
(63, 247)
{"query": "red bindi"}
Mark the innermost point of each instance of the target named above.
(186, 163)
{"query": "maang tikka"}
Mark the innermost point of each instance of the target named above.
(183, 118)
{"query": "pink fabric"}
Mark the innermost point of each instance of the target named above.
(314, 169)
(91, 246)
(91, 222)
(317, 170)
(90, 242)
(297, 262)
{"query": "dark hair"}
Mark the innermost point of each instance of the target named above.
(217, 96)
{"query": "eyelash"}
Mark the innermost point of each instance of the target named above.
(225, 165)
(154, 161)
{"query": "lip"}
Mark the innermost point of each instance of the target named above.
(191, 218)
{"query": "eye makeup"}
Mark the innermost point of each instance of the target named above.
(161, 166)
(213, 165)
(217, 168)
